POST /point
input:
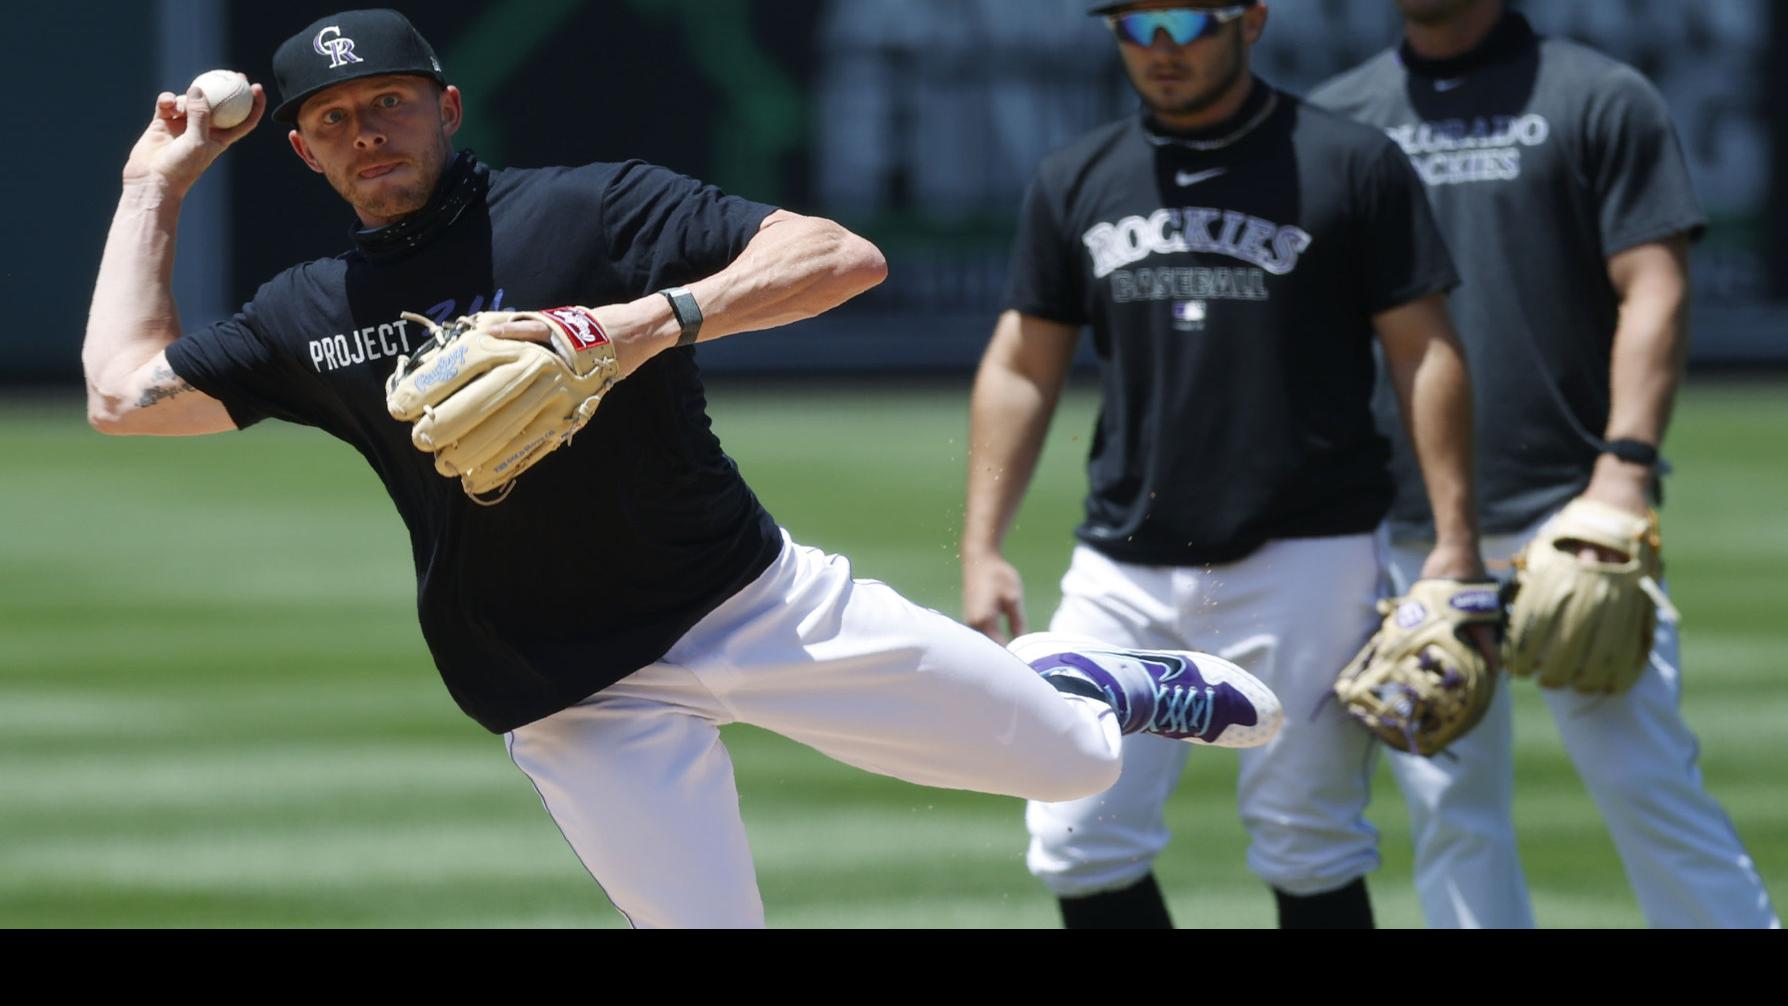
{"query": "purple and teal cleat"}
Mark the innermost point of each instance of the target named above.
(1186, 696)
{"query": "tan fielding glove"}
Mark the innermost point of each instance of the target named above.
(1428, 674)
(1588, 623)
(489, 408)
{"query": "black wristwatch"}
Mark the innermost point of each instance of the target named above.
(687, 312)
(1636, 452)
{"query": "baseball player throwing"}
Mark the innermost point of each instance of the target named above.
(1233, 251)
(1558, 181)
(628, 595)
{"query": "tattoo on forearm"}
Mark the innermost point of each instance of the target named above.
(164, 384)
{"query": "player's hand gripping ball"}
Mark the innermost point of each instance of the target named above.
(229, 96)
(1428, 674)
(489, 407)
(1588, 622)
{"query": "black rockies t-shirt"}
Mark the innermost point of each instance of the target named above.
(612, 547)
(1541, 159)
(1230, 279)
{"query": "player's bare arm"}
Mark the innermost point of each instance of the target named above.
(1650, 346)
(1016, 390)
(1426, 364)
(794, 268)
(154, 401)
(130, 387)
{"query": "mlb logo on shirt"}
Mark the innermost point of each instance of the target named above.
(1188, 315)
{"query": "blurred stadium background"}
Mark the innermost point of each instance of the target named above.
(215, 709)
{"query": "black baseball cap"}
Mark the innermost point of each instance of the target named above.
(348, 46)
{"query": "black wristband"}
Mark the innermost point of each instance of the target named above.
(686, 311)
(1636, 452)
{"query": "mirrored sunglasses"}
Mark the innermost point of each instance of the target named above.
(1183, 25)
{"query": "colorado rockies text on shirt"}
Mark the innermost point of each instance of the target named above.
(1233, 335)
(1273, 247)
(1485, 148)
(1584, 161)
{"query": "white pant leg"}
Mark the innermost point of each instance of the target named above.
(1461, 804)
(639, 784)
(1683, 858)
(1110, 840)
(1291, 614)
(854, 670)
(636, 778)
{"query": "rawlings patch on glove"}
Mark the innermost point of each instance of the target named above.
(1428, 674)
(1583, 622)
(489, 408)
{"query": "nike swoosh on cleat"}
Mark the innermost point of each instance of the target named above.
(1175, 667)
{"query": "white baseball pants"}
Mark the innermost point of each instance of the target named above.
(1292, 614)
(637, 779)
(1683, 858)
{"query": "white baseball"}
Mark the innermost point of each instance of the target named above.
(228, 94)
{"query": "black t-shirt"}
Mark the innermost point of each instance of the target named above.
(609, 549)
(1541, 159)
(1229, 279)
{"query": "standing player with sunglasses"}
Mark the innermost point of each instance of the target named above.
(1556, 176)
(1233, 251)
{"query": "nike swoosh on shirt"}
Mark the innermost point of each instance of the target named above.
(1185, 178)
(1448, 85)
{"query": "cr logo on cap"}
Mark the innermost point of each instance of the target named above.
(339, 50)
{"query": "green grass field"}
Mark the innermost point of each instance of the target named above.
(216, 709)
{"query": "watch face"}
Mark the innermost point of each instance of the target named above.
(683, 306)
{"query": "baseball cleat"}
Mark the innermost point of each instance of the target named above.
(1186, 696)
